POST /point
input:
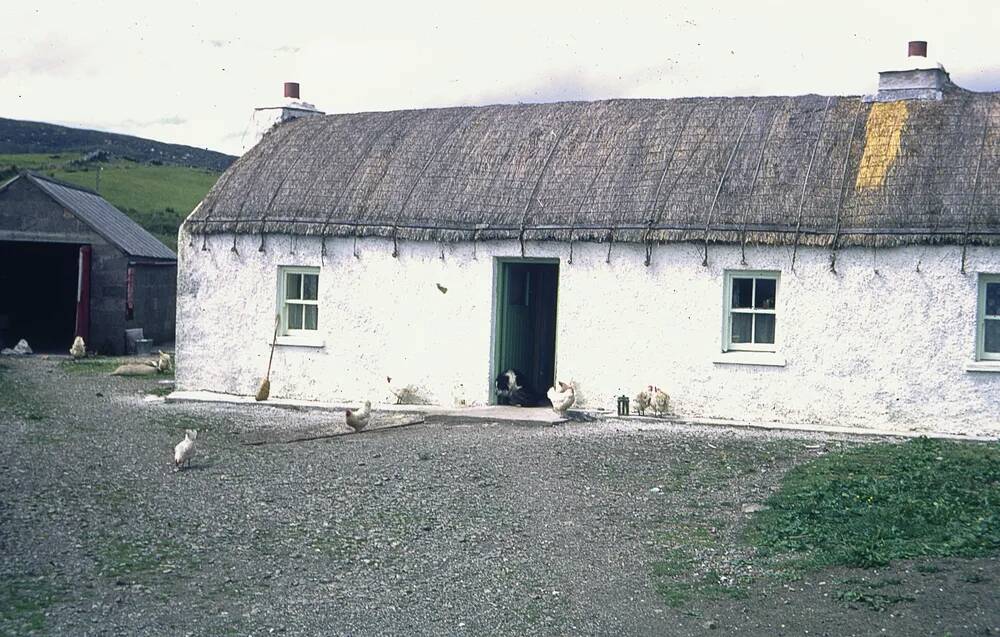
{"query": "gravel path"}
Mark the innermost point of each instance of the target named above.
(477, 528)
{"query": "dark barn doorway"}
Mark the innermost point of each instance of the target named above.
(525, 336)
(38, 286)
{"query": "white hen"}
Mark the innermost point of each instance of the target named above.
(562, 398)
(357, 419)
(661, 401)
(184, 450)
(79, 349)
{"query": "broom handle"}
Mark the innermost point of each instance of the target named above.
(277, 321)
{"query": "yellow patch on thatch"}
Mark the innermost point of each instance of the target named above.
(882, 132)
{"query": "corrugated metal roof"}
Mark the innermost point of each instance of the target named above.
(106, 220)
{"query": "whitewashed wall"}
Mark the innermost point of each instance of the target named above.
(879, 344)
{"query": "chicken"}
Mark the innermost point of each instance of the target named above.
(661, 401)
(164, 363)
(357, 419)
(642, 401)
(185, 449)
(79, 349)
(562, 398)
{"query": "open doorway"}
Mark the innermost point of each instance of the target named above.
(525, 330)
(39, 284)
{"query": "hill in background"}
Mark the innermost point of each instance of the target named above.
(154, 183)
(22, 137)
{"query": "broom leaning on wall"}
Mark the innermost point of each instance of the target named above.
(265, 385)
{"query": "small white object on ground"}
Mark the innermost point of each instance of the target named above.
(21, 349)
(755, 508)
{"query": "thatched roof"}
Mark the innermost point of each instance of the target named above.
(809, 170)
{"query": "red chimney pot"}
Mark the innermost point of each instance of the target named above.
(917, 48)
(292, 90)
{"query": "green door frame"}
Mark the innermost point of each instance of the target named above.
(499, 294)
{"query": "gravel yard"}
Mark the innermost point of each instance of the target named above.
(605, 527)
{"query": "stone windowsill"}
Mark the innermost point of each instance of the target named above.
(300, 341)
(983, 366)
(770, 359)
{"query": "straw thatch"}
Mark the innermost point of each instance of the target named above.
(808, 170)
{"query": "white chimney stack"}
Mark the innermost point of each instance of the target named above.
(267, 117)
(916, 78)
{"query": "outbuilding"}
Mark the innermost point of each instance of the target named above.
(809, 259)
(71, 264)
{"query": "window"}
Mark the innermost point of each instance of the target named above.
(298, 294)
(988, 318)
(751, 316)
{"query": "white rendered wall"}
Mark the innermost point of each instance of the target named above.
(878, 344)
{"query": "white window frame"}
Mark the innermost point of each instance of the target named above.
(283, 302)
(727, 323)
(981, 318)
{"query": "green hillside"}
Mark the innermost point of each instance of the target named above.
(157, 197)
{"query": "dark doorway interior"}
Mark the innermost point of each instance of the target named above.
(38, 294)
(525, 336)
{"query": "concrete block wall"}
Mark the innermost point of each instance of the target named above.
(155, 307)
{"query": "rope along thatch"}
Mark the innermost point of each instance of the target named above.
(808, 170)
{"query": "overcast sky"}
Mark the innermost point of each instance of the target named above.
(191, 72)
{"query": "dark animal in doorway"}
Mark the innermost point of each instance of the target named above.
(512, 391)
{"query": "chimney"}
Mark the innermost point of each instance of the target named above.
(291, 107)
(917, 78)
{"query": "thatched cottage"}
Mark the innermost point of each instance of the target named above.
(807, 259)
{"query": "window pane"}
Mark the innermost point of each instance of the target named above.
(310, 286)
(993, 299)
(765, 328)
(766, 289)
(294, 316)
(991, 336)
(742, 292)
(742, 324)
(312, 316)
(293, 286)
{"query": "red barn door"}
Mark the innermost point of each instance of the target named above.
(83, 294)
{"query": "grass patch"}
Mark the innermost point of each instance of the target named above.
(23, 602)
(676, 576)
(692, 544)
(976, 578)
(92, 365)
(100, 365)
(160, 390)
(20, 399)
(861, 598)
(677, 592)
(132, 558)
(868, 506)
